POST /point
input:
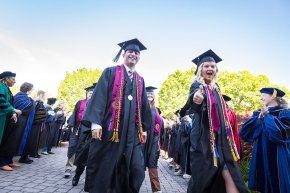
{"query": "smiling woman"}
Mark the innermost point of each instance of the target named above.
(212, 148)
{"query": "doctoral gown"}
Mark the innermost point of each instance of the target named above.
(270, 164)
(6, 107)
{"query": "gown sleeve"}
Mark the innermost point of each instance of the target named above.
(97, 105)
(146, 111)
(5, 105)
(277, 129)
(252, 128)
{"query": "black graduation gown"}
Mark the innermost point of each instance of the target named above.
(73, 139)
(55, 129)
(206, 178)
(184, 146)
(82, 147)
(45, 132)
(34, 134)
(115, 167)
(165, 137)
(13, 135)
(152, 149)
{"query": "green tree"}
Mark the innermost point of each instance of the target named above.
(71, 89)
(174, 91)
(242, 86)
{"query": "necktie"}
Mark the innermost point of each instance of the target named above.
(130, 74)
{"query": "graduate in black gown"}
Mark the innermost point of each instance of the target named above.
(78, 136)
(269, 130)
(120, 115)
(152, 150)
(213, 154)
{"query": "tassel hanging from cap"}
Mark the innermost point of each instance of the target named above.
(119, 54)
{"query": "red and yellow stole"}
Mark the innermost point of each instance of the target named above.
(117, 103)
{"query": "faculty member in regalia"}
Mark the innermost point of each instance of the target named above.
(269, 130)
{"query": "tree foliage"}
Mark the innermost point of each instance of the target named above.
(174, 91)
(242, 86)
(71, 89)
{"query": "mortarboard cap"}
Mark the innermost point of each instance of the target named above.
(273, 91)
(51, 101)
(7, 74)
(208, 56)
(133, 44)
(150, 88)
(91, 88)
(227, 98)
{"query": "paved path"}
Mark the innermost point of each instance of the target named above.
(46, 175)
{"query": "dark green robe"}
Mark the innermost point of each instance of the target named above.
(6, 107)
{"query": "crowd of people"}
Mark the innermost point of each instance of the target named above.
(28, 126)
(117, 132)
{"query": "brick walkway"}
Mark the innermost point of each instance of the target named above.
(46, 175)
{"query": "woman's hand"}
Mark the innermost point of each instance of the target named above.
(198, 96)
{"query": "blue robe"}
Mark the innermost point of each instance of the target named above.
(270, 164)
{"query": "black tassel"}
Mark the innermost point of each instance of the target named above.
(119, 54)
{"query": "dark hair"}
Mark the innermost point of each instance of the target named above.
(26, 86)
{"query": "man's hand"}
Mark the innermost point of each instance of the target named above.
(14, 118)
(97, 133)
(198, 96)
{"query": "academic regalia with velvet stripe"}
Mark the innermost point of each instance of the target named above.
(270, 164)
(37, 126)
(15, 136)
(6, 107)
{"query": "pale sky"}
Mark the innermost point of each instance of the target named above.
(41, 40)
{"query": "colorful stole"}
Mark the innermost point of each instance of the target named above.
(158, 122)
(81, 111)
(229, 132)
(117, 104)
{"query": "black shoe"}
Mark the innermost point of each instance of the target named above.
(25, 161)
(75, 180)
(36, 156)
(50, 152)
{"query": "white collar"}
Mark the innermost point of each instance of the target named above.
(127, 68)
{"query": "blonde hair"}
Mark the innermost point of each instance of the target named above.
(281, 101)
(152, 103)
(200, 79)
